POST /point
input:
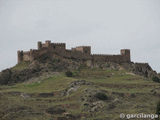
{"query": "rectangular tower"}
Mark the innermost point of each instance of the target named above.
(126, 53)
(20, 56)
(83, 49)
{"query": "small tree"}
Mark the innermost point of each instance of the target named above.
(69, 74)
(156, 79)
(101, 96)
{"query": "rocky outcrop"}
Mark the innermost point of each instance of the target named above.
(143, 69)
(9, 76)
(34, 69)
(5, 76)
(74, 87)
(44, 64)
(94, 100)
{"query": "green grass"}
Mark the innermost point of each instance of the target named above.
(108, 80)
(55, 83)
(21, 66)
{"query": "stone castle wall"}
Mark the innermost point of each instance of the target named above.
(82, 53)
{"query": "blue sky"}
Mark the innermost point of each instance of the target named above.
(106, 25)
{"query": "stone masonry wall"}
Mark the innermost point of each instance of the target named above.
(82, 53)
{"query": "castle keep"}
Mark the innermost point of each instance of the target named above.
(81, 53)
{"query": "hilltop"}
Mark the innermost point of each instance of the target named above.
(54, 87)
(55, 57)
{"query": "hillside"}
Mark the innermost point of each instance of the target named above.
(89, 94)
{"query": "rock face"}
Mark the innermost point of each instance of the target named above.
(143, 69)
(94, 100)
(8, 77)
(34, 69)
(5, 76)
(44, 64)
(74, 86)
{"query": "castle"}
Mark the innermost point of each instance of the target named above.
(81, 53)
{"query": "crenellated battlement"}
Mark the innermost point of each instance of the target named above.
(83, 49)
(82, 46)
(79, 53)
(59, 43)
(104, 55)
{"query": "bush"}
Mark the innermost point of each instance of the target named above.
(101, 96)
(156, 79)
(69, 74)
(5, 76)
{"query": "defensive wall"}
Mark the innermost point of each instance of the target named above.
(79, 53)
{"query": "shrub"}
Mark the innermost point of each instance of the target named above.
(156, 79)
(69, 74)
(101, 96)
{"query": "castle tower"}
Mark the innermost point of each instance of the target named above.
(83, 49)
(48, 42)
(126, 52)
(39, 45)
(31, 57)
(20, 56)
(87, 50)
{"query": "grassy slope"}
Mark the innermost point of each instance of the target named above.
(21, 66)
(109, 80)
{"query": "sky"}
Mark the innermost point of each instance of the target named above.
(106, 25)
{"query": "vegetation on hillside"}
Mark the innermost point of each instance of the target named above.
(91, 94)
